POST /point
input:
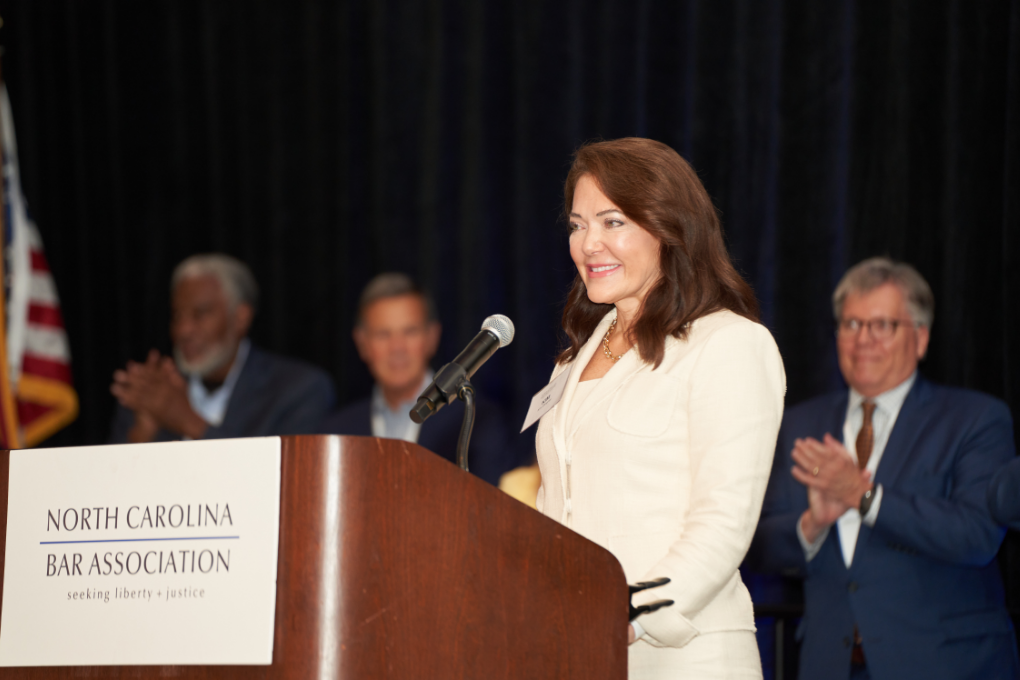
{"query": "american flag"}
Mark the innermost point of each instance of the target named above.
(37, 397)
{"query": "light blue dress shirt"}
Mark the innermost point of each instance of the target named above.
(212, 405)
(396, 423)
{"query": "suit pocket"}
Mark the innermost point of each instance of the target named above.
(644, 405)
(976, 624)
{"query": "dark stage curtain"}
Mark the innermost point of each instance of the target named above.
(326, 141)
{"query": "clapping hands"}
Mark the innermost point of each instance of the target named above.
(833, 481)
(158, 395)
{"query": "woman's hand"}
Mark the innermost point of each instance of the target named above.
(630, 635)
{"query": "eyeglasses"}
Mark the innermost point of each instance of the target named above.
(879, 329)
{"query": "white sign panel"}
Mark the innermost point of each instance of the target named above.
(142, 554)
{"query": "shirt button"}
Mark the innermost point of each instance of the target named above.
(568, 506)
(852, 587)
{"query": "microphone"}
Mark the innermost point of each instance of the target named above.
(497, 331)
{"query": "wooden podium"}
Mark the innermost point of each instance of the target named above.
(393, 563)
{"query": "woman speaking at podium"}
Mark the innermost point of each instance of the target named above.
(661, 444)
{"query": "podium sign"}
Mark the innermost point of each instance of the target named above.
(142, 554)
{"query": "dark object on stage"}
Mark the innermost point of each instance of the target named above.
(393, 564)
(651, 606)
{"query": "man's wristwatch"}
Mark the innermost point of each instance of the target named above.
(866, 499)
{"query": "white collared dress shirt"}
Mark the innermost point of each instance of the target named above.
(211, 405)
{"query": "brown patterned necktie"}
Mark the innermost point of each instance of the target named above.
(865, 442)
(866, 437)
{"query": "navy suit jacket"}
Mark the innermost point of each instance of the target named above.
(923, 588)
(488, 456)
(274, 395)
(1004, 495)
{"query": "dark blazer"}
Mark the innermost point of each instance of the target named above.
(274, 395)
(488, 456)
(923, 588)
(1004, 495)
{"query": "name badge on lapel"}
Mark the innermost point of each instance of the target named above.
(547, 397)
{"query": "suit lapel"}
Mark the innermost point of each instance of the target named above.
(628, 366)
(575, 367)
(898, 449)
(908, 427)
(246, 391)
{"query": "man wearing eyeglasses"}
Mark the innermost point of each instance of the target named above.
(878, 500)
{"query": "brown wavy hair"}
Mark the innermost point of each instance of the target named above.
(660, 191)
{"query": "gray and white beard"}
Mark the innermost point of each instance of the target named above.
(216, 359)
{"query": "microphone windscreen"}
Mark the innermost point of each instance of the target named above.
(500, 326)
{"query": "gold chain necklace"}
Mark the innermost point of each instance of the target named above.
(605, 343)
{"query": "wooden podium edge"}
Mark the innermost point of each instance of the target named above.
(282, 645)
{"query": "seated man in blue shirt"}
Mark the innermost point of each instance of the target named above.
(397, 334)
(217, 384)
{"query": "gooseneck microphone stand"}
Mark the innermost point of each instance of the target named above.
(453, 380)
(466, 394)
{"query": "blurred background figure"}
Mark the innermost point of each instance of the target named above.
(396, 334)
(523, 484)
(217, 384)
(878, 498)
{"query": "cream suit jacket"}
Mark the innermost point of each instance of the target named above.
(668, 468)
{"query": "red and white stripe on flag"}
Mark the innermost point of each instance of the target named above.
(37, 397)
